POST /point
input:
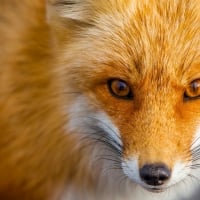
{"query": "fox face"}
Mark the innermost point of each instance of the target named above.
(106, 110)
(132, 81)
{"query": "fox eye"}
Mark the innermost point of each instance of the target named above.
(193, 90)
(119, 89)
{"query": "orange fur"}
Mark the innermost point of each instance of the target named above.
(33, 142)
(151, 49)
(47, 64)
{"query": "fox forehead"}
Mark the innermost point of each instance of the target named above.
(147, 40)
(149, 36)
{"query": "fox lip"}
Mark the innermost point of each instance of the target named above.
(155, 190)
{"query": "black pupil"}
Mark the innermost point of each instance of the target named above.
(195, 86)
(121, 86)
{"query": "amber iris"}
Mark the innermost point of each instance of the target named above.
(193, 89)
(120, 89)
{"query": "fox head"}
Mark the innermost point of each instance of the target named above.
(132, 77)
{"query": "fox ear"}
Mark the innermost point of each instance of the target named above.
(70, 9)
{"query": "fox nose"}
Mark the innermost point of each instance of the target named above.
(155, 174)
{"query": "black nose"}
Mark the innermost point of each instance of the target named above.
(155, 174)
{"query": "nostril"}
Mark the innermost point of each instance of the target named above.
(155, 174)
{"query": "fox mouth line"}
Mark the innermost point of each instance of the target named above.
(155, 190)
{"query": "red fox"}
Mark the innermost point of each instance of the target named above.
(99, 99)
